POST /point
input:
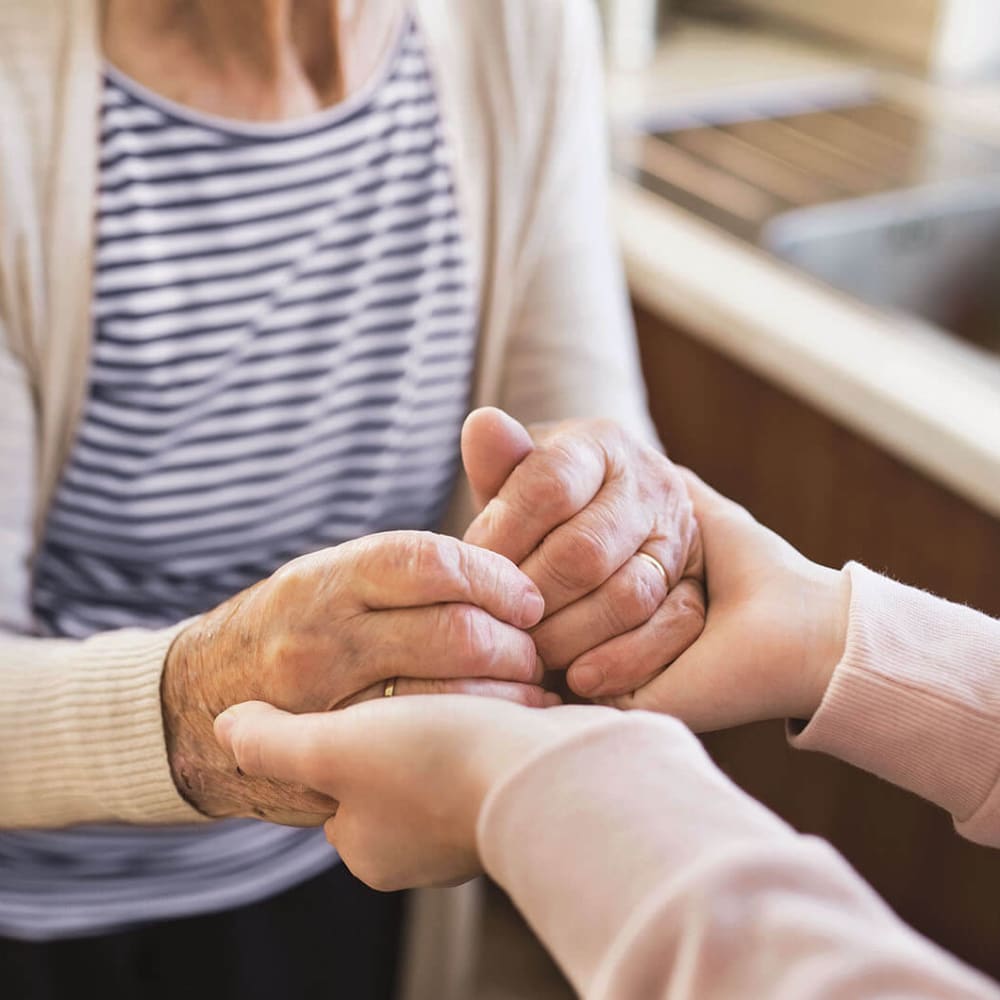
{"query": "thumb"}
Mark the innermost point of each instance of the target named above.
(708, 503)
(267, 742)
(493, 445)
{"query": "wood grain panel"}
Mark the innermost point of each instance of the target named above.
(837, 497)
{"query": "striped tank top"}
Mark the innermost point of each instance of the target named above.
(284, 335)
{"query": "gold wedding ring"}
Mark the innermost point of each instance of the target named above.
(390, 687)
(653, 561)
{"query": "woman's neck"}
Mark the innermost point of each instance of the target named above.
(250, 59)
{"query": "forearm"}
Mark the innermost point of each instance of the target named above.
(82, 732)
(916, 700)
(647, 873)
(572, 351)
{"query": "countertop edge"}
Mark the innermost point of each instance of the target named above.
(824, 348)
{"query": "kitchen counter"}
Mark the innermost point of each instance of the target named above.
(921, 394)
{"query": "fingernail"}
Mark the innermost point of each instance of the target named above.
(539, 675)
(532, 608)
(551, 700)
(585, 679)
(224, 723)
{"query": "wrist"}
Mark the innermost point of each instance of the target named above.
(828, 593)
(203, 774)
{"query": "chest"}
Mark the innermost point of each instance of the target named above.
(284, 335)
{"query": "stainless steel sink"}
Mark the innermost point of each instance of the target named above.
(898, 210)
(934, 254)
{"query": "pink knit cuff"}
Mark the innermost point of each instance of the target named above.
(916, 700)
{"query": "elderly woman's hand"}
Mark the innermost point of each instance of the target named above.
(333, 627)
(776, 627)
(410, 774)
(604, 526)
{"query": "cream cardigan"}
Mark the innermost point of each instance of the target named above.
(81, 737)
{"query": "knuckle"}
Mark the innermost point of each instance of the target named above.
(581, 561)
(303, 569)
(557, 488)
(647, 590)
(430, 557)
(590, 547)
(619, 614)
(414, 555)
(564, 573)
(283, 652)
(472, 563)
(469, 634)
(553, 493)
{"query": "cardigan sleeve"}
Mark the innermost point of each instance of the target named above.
(572, 350)
(648, 874)
(81, 732)
(17, 489)
(916, 700)
(81, 729)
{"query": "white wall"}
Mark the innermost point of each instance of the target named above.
(968, 39)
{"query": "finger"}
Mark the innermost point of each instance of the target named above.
(529, 695)
(629, 661)
(411, 569)
(267, 742)
(580, 555)
(709, 505)
(694, 690)
(493, 444)
(447, 640)
(626, 601)
(550, 486)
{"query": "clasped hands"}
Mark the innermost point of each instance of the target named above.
(585, 558)
(408, 780)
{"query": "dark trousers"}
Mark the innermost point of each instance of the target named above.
(331, 938)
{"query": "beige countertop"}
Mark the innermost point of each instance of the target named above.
(923, 395)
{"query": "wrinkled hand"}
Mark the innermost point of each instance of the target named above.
(329, 629)
(410, 774)
(573, 505)
(776, 627)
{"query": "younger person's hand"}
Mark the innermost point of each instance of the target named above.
(410, 774)
(775, 631)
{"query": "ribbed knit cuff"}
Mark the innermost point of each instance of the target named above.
(84, 739)
(915, 698)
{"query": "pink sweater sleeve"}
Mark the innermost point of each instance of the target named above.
(648, 874)
(916, 700)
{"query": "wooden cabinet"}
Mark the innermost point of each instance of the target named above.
(838, 497)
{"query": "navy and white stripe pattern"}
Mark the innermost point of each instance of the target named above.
(284, 335)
